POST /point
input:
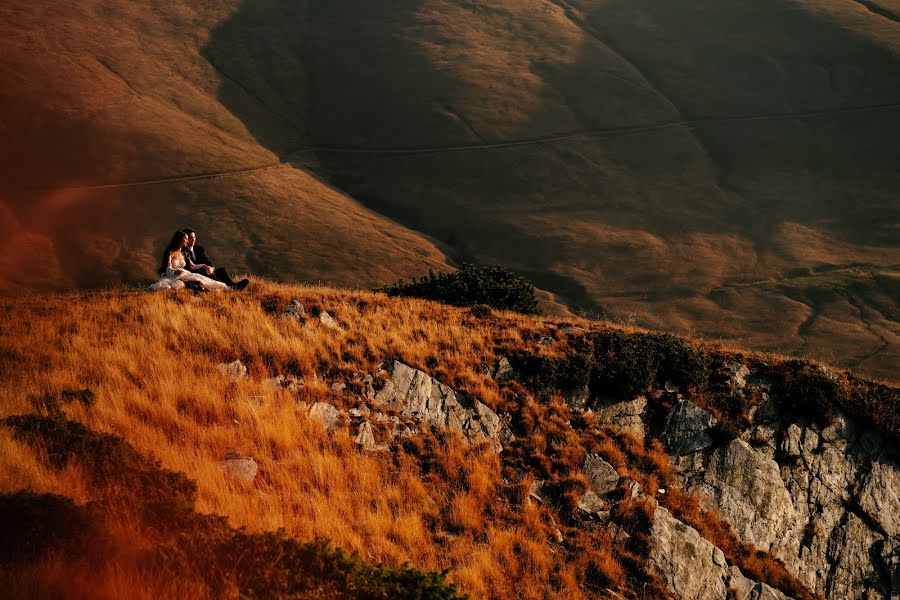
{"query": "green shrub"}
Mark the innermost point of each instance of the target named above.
(629, 364)
(472, 285)
(811, 393)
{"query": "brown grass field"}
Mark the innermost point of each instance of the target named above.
(435, 503)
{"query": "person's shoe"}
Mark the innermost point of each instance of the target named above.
(240, 285)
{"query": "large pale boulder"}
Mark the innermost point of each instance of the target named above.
(602, 476)
(417, 395)
(880, 498)
(746, 488)
(237, 465)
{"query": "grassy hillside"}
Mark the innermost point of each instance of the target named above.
(686, 166)
(434, 502)
(114, 136)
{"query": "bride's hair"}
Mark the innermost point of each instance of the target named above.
(175, 244)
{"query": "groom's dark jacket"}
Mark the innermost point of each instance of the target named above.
(196, 255)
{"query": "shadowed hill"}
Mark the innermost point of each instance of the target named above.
(641, 159)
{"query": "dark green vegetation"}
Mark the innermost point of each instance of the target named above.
(615, 365)
(472, 286)
(187, 544)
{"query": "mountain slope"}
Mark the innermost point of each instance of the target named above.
(532, 457)
(683, 166)
(114, 138)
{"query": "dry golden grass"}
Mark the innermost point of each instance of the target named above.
(151, 359)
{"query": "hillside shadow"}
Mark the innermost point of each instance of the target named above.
(353, 74)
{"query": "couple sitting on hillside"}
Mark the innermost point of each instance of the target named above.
(185, 265)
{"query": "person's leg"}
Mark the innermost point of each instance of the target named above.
(221, 274)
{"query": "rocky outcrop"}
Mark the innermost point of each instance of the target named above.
(415, 394)
(628, 415)
(824, 500)
(693, 568)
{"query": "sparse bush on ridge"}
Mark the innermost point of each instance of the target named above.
(616, 364)
(472, 286)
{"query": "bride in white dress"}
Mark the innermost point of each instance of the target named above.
(174, 269)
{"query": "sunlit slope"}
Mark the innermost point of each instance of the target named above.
(115, 132)
(644, 159)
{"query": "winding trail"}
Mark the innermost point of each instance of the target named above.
(608, 132)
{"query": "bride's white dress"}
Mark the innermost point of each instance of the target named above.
(176, 276)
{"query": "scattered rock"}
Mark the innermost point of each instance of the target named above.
(233, 371)
(239, 466)
(628, 415)
(737, 375)
(591, 503)
(289, 383)
(360, 411)
(337, 387)
(602, 476)
(327, 414)
(328, 321)
(295, 311)
(365, 437)
(504, 370)
(686, 429)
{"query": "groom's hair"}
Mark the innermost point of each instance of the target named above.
(188, 231)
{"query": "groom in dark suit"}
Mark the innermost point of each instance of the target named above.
(199, 262)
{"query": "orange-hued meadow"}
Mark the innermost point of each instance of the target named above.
(432, 502)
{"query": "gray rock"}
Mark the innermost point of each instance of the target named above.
(602, 476)
(591, 503)
(289, 383)
(737, 375)
(746, 488)
(504, 370)
(328, 321)
(365, 437)
(295, 311)
(686, 429)
(239, 466)
(415, 394)
(327, 414)
(360, 411)
(233, 371)
(684, 560)
(628, 415)
(880, 498)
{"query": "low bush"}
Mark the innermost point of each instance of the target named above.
(472, 285)
(34, 524)
(811, 393)
(108, 459)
